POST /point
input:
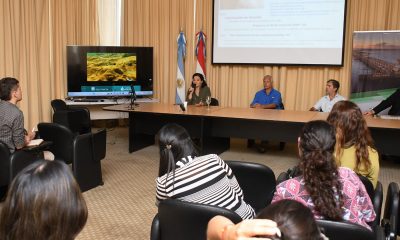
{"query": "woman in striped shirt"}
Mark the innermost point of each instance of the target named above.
(204, 179)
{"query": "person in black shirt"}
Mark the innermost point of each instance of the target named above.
(393, 101)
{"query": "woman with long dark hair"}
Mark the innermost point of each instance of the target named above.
(198, 91)
(321, 183)
(354, 144)
(188, 177)
(43, 202)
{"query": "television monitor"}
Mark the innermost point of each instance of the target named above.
(109, 71)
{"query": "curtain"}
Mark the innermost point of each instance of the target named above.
(25, 54)
(35, 34)
(157, 23)
(109, 16)
(73, 22)
(32, 48)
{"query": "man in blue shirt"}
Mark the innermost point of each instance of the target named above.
(267, 98)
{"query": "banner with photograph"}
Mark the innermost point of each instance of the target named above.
(375, 67)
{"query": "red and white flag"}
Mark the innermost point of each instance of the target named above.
(201, 53)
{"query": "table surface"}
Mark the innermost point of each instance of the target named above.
(245, 113)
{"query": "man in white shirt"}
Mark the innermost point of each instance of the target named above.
(326, 103)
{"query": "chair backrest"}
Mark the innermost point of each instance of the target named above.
(77, 119)
(368, 186)
(58, 104)
(257, 182)
(283, 176)
(342, 230)
(181, 220)
(4, 164)
(88, 150)
(214, 102)
(390, 219)
(62, 139)
(19, 160)
(376, 196)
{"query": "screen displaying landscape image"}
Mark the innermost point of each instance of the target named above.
(111, 67)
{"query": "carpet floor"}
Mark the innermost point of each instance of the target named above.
(123, 208)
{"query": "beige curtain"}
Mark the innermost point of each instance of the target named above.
(25, 54)
(73, 22)
(32, 48)
(157, 23)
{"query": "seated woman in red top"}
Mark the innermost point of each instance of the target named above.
(330, 192)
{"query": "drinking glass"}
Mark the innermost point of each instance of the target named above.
(208, 101)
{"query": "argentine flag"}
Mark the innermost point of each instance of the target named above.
(180, 74)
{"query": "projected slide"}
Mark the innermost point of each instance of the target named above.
(278, 31)
(111, 67)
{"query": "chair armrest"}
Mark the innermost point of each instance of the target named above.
(155, 232)
(379, 232)
(45, 145)
(99, 144)
(377, 202)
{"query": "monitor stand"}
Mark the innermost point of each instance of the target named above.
(132, 105)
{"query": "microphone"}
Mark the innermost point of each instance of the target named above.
(133, 97)
(133, 92)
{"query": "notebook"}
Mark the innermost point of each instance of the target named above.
(35, 142)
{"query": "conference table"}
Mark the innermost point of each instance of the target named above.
(213, 127)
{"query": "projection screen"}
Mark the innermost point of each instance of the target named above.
(275, 32)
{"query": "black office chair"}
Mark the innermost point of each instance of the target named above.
(343, 230)
(214, 102)
(84, 151)
(181, 220)
(76, 118)
(257, 182)
(390, 219)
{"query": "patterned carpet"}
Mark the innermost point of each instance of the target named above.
(124, 207)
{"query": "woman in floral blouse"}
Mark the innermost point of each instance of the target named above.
(330, 192)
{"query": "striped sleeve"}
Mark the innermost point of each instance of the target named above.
(208, 180)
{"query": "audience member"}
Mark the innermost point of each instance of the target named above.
(354, 144)
(198, 91)
(330, 192)
(43, 203)
(289, 220)
(392, 101)
(326, 103)
(268, 97)
(12, 131)
(188, 177)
